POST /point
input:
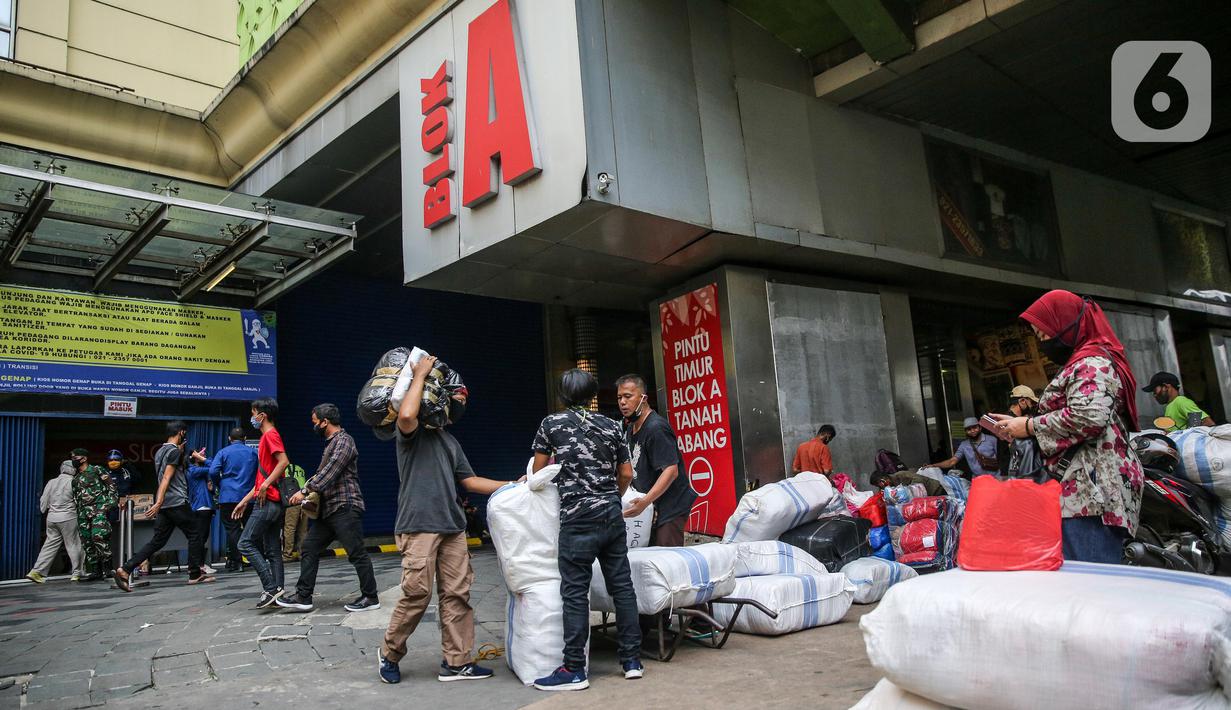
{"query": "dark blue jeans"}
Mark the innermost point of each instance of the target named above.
(261, 543)
(1087, 539)
(581, 543)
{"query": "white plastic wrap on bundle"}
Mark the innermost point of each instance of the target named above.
(771, 510)
(637, 529)
(887, 696)
(524, 520)
(669, 577)
(873, 576)
(774, 557)
(404, 378)
(802, 601)
(1205, 459)
(1085, 637)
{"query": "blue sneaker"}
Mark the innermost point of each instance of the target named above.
(389, 671)
(563, 679)
(633, 669)
(470, 671)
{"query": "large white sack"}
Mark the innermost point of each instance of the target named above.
(524, 521)
(774, 557)
(887, 696)
(771, 510)
(1087, 636)
(1205, 459)
(802, 601)
(666, 578)
(402, 384)
(873, 576)
(534, 634)
(637, 530)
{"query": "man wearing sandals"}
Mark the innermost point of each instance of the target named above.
(170, 510)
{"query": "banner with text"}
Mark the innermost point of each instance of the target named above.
(696, 385)
(77, 343)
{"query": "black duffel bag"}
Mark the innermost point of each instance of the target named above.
(832, 541)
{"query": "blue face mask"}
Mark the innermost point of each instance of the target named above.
(256, 423)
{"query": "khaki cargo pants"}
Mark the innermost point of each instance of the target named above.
(445, 558)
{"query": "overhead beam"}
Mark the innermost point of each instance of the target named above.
(884, 28)
(40, 202)
(132, 246)
(304, 271)
(223, 260)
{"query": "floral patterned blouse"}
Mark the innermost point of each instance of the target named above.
(1076, 414)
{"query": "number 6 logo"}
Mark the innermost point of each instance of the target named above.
(1161, 92)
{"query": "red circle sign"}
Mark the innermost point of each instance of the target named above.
(701, 476)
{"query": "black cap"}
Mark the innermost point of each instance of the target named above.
(1162, 378)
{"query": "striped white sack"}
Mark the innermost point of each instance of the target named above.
(774, 557)
(802, 601)
(665, 578)
(771, 510)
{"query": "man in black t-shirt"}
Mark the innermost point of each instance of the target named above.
(656, 464)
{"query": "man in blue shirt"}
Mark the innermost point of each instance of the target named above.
(978, 451)
(233, 472)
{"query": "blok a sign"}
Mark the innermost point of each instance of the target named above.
(499, 142)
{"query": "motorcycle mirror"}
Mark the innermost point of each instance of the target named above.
(1164, 423)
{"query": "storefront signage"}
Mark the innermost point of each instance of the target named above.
(76, 343)
(499, 135)
(123, 407)
(992, 211)
(696, 386)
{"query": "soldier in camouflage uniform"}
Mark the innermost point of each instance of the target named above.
(94, 495)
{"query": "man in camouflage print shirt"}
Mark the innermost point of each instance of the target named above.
(94, 495)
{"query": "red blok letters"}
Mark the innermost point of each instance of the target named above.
(436, 138)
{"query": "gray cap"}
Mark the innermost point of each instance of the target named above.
(969, 422)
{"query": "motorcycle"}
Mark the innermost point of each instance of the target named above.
(1176, 528)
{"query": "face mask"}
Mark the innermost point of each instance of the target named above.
(637, 412)
(78, 461)
(255, 422)
(1056, 351)
(113, 465)
(322, 431)
(1161, 397)
(457, 409)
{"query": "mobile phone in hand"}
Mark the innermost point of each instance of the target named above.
(991, 426)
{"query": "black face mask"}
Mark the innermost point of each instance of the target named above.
(1056, 351)
(322, 431)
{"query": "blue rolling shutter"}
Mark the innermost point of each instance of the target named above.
(21, 484)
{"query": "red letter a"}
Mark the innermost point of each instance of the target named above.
(500, 132)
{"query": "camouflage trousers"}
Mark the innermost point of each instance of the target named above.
(96, 542)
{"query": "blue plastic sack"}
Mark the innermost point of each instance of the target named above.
(894, 515)
(879, 537)
(885, 553)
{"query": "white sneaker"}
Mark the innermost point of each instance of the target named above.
(208, 570)
(76, 577)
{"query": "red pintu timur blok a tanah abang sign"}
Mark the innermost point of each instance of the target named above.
(499, 140)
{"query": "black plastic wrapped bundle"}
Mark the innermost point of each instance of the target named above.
(375, 404)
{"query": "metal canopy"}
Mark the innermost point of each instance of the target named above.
(71, 216)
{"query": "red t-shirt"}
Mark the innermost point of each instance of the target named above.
(813, 455)
(271, 444)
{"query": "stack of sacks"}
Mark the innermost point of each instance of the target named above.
(895, 497)
(1205, 459)
(873, 576)
(879, 538)
(666, 578)
(929, 537)
(832, 541)
(1084, 637)
(881, 543)
(769, 511)
(753, 559)
(524, 520)
(801, 601)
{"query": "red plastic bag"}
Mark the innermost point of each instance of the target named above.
(920, 536)
(926, 557)
(1011, 525)
(923, 508)
(874, 510)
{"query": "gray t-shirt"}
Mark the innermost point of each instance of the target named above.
(430, 465)
(177, 491)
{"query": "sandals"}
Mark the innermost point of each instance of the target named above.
(122, 581)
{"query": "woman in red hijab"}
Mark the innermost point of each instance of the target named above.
(1082, 426)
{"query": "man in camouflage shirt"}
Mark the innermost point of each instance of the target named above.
(94, 495)
(594, 472)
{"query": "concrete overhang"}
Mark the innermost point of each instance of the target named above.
(318, 55)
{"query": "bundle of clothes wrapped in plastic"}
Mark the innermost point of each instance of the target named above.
(381, 396)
